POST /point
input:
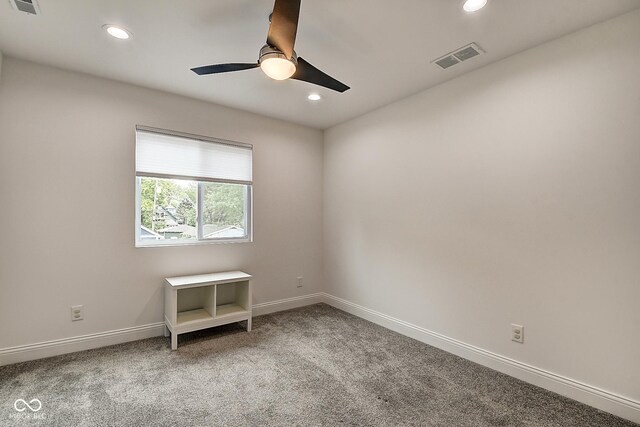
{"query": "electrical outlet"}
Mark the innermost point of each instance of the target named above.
(77, 312)
(517, 333)
(300, 278)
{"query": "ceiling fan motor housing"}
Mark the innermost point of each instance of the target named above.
(271, 52)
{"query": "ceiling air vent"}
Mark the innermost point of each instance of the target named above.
(28, 6)
(457, 56)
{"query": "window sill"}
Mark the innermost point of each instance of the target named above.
(169, 243)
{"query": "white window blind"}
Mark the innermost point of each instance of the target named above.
(169, 154)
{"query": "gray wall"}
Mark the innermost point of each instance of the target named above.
(508, 195)
(67, 204)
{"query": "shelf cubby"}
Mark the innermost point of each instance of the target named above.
(195, 304)
(231, 298)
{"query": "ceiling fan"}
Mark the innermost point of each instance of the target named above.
(277, 58)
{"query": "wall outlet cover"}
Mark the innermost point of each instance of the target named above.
(77, 312)
(517, 333)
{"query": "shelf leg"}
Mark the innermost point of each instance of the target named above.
(249, 324)
(174, 341)
(166, 331)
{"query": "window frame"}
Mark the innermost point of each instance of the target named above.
(200, 240)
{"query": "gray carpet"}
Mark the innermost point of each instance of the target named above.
(313, 366)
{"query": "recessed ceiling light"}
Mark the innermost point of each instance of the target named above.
(314, 97)
(117, 32)
(474, 5)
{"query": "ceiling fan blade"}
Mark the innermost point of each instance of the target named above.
(223, 68)
(284, 25)
(308, 73)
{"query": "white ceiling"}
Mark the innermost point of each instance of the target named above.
(382, 49)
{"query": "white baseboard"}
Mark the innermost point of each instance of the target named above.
(25, 353)
(41, 350)
(286, 304)
(590, 395)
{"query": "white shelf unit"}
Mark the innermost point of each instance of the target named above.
(203, 301)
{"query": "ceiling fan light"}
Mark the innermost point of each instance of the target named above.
(275, 64)
(278, 68)
(474, 5)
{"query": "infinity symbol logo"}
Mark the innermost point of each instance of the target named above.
(21, 405)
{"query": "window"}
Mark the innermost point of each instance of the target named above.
(191, 189)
